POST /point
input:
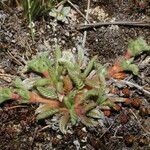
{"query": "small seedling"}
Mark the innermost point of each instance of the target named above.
(60, 13)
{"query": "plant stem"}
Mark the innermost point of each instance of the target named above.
(134, 85)
(30, 20)
(34, 98)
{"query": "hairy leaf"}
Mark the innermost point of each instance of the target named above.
(68, 86)
(89, 106)
(48, 93)
(42, 108)
(73, 115)
(127, 65)
(47, 114)
(42, 82)
(59, 87)
(30, 82)
(89, 67)
(91, 93)
(67, 102)
(19, 84)
(24, 94)
(94, 82)
(63, 122)
(136, 47)
(76, 79)
(95, 113)
(5, 94)
(89, 122)
(40, 64)
(80, 55)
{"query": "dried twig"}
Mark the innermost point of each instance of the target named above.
(77, 10)
(85, 32)
(109, 127)
(134, 85)
(61, 3)
(14, 107)
(139, 122)
(122, 23)
(48, 126)
(15, 59)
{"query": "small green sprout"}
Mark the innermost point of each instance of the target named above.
(60, 13)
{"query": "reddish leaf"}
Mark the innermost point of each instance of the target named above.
(119, 75)
(67, 83)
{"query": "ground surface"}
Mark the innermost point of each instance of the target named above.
(18, 128)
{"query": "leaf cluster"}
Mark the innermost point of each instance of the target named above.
(64, 86)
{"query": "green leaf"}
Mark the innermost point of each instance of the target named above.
(42, 108)
(101, 71)
(24, 95)
(53, 12)
(65, 11)
(19, 84)
(136, 47)
(95, 113)
(48, 93)
(57, 55)
(40, 64)
(89, 67)
(59, 87)
(71, 96)
(66, 63)
(101, 95)
(30, 82)
(5, 94)
(89, 122)
(63, 122)
(127, 65)
(46, 114)
(89, 106)
(67, 102)
(80, 55)
(73, 115)
(53, 75)
(76, 79)
(91, 93)
(42, 82)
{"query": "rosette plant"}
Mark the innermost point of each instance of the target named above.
(69, 86)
